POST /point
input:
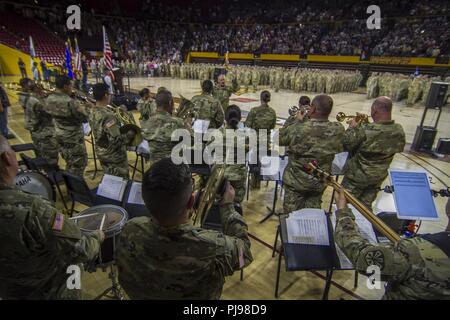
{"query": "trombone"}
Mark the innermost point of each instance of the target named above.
(359, 118)
(312, 169)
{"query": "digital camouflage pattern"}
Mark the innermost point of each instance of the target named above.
(69, 117)
(307, 141)
(235, 170)
(181, 262)
(224, 93)
(110, 144)
(42, 130)
(371, 149)
(414, 268)
(158, 131)
(146, 109)
(38, 244)
(206, 107)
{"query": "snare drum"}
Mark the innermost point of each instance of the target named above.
(36, 183)
(89, 220)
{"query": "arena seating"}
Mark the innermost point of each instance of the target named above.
(15, 31)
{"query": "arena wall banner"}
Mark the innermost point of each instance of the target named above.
(323, 58)
(9, 58)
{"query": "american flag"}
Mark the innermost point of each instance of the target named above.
(107, 53)
(78, 68)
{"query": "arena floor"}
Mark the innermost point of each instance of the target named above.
(259, 277)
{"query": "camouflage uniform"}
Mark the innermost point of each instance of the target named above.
(68, 118)
(42, 130)
(256, 77)
(206, 107)
(278, 82)
(414, 91)
(38, 244)
(146, 108)
(372, 86)
(110, 144)
(309, 140)
(372, 147)
(23, 98)
(181, 262)
(158, 131)
(224, 93)
(414, 268)
(235, 172)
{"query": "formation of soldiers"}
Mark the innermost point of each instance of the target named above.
(309, 136)
(252, 77)
(399, 87)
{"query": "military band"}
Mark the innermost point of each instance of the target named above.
(164, 255)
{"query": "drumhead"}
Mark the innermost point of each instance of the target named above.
(115, 219)
(36, 183)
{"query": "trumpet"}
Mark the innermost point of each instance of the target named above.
(128, 126)
(296, 109)
(359, 118)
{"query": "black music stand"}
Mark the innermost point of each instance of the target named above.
(305, 257)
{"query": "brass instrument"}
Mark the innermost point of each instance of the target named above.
(312, 169)
(127, 124)
(296, 109)
(185, 109)
(360, 117)
(209, 193)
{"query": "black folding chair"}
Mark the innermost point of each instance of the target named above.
(79, 191)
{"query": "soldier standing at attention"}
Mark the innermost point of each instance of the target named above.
(146, 105)
(206, 107)
(262, 118)
(372, 147)
(316, 139)
(41, 127)
(164, 256)
(158, 129)
(110, 144)
(69, 118)
(415, 268)
(223, 93)
(38, 242)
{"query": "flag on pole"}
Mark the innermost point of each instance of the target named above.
(107, 53)
(32, 54)
(78, 68)
(69, 61)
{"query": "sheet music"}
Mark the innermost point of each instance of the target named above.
(86, 129)
(200, 126)
(112, 187)
(308, 226)
(135, 196)
(143, 147)
(270, 166)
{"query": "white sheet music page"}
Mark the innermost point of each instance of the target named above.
(112, 187)
(135, 196)
(308, 226)
(86, 129)
(200, 126)
(143, 147)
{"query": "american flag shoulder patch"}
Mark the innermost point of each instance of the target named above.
(58, 223)
(110, 123)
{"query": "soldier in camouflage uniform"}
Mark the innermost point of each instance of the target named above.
(110, 144)
(24, 95)
(207, 107)
(414, 91)
(222, 92)
(372, 86)
(304, 103)
(157, 130)
(146, 105)
(260, 118)
(164, 256)
(41, 127)
(68, 117)
(38, 242)
(278, 82)
(415, 268)
(372, 147)
(316, 139)
(256, 78)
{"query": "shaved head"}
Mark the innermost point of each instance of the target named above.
(383, 104)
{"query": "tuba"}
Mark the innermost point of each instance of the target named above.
(185, 108)
(360, 117)
(208, 195)
(128, 125)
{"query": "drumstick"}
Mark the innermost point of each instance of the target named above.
(103, 222)
(85, 216)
